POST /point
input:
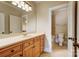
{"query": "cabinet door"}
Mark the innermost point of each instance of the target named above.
(36, 49)
(27, 52)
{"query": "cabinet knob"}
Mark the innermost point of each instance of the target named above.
(12, 50)
(21, 55)
(29, 43)
(33, 46)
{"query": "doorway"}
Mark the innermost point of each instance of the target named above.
(59, 31)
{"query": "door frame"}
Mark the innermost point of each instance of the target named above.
(53, 9)
(50, 18)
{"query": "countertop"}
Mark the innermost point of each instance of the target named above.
(14, 39)
(11, 35)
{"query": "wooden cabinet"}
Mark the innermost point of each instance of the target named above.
(28, 48)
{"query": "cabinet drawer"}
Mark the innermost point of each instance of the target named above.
(6, 52)
(37, 39)
(28, 43)
(37, 43)
(16, 48)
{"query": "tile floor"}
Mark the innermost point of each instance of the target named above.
(56, 52)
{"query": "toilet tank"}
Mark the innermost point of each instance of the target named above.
(61, 35)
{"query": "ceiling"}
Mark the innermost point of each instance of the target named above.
(37, 2)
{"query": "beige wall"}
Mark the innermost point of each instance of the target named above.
(32, 22)
(43, 21)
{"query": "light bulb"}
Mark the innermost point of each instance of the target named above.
(30, 8)
(14, 3)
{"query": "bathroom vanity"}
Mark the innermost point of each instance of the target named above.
(31, 45)
(16, 33)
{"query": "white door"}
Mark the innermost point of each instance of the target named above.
(70, 28)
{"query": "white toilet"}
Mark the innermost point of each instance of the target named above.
(61, 39)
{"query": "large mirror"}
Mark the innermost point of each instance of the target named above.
(11, 24)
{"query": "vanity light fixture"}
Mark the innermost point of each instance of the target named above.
(22, 5)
